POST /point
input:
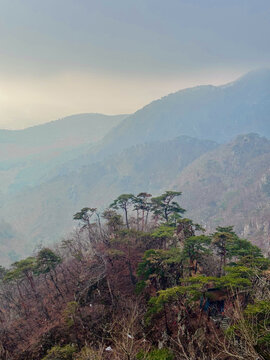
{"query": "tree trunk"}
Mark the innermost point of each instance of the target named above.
(126, 216)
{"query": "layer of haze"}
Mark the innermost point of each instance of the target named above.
(60, 57)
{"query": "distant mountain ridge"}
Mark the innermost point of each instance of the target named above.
(69, 131)
(48, 172)
(28, 156)
(217, 113)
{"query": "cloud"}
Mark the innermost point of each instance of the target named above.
(66, 56)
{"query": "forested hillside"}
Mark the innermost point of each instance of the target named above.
(135, 180)
(138, 281)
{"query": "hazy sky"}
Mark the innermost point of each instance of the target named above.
(60, 57)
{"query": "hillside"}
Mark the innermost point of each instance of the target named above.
(28, 156)
(82, 159)
(217, 113)
(151, 288)
(44, 213)
(70, 131)
(231, 184)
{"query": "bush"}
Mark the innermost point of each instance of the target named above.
(156, 354)
(61, 353)
(69, 313)
(87, 353)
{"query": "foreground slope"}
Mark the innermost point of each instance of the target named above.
(112, 292)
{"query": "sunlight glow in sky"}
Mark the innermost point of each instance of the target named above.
(71, 56)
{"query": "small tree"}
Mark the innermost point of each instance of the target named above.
(84, 216)
(61, 353)
(222, 239)
(194, 248)
(165, 206)
(242, 248)
(162, 234)
(46, 263)
(141, 202)
(228, 245)
(161, 268)
(3, 272)
(22, 269)
(123, 202)
(187, 228)
(114, 220)
(156, 354)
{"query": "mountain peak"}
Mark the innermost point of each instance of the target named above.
(251, 137)
(255, 76)
(250, 145)
(217, 113)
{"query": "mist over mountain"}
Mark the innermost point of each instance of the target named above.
(143, 235)
(44, 213)
(27, 156)
(217, 113)
(67, 132)
(231, 184)
(50, 171)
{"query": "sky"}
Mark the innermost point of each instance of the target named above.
(61, 57)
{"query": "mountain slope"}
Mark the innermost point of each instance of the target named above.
(28, 156)
(205, 112)
(44, 213)
(217, 113)
(231, 186)
(48, 172)
(67, 132)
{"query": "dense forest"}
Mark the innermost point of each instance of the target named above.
(138, 281)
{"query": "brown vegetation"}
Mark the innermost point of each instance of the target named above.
(112, 291)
